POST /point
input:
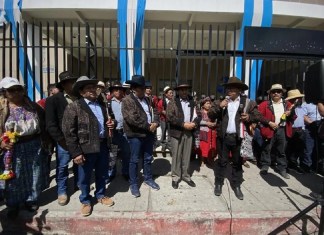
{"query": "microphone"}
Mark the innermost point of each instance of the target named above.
(241, 108)
(226, 98)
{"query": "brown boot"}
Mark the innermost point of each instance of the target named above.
(106, 201)
(62, 200)
(86, 209)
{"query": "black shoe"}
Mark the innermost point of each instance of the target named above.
(218, 189)
(31, 206)
(175, 184)
(238, 193)
(297, 169)
(13, 213)
(190, 183)
(264, 170)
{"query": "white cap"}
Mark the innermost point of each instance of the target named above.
(167, 88)
(8, 82)
(100, 83)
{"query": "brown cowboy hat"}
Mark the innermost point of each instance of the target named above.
(81, 82)
(116, 84)
(182, 84)
(235, 82)
(292, 94)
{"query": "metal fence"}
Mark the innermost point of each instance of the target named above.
(203, 55)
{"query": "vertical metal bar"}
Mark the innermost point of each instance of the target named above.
(25, 56)
(209, 58)
(40, 51)
(201, 58)
(149, 53)
(163, 64)
(171, 55)
(95, 51)
(10, 51)
(257, 76)
(292, 71)
(71, 47)
(17, 51)
(79, 50)
(103, 51)
(56, 50)
(110, 52)
(48, 54)
(4, 50)
(217, 52)
(271, 73)
(87, 50)
(33, 62)
(265, 65)
(178, 68)
(225, 56)
(187, 59)
(118, 50)
(64, 59)
(234, 52)
(250, 75)
(156, 62)
(194, 60)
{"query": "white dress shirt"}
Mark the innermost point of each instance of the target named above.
(232, 108)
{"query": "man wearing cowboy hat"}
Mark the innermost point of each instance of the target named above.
(276, 125)
(54, 107)
(86, 127)
(232, 112)
(183, 119)
(161, 106)
(119, 137)
(140, 123)
(296, 144)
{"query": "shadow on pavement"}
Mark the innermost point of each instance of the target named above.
(274, 180)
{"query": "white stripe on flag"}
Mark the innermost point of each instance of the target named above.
(131, 29)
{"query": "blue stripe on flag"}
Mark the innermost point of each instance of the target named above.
(123, 55)
(138, 36)
(266, 22)
(247, 21)
(9, 9)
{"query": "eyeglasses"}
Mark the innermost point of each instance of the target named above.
(17, 89)
(276, 91)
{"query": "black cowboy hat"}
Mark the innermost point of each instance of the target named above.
(182, 84)
(81, 82)
(137, 80)
(116, 84)
(235, 82)
(65, 76)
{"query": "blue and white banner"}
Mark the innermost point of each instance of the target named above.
(130, 17)
(12, 9)
(256, 13)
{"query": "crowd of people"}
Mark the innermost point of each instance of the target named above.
(93, 124)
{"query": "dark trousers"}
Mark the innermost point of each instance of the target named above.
(295, 147)
(165, 140)
(120, 139)
(278, 144)
(310, 151)
(230, 143)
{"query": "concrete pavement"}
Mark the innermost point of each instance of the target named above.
(268, 202)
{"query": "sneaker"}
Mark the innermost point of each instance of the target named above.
(106, 201)
(86, 209)
(284, 174)
(152, 185)
(62, 199)
(135, 191)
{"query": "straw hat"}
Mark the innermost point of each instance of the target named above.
(276, 87)
(292, 94)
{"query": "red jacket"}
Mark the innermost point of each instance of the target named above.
(266, 109)
(161, 107)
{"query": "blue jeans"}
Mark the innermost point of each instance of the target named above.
(310, 135)
(62, 174)
(99, 162)
(140, 147)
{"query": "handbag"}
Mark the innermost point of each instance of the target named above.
(246, 150)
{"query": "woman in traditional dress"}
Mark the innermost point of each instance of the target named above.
(20, 115)
(207, 134)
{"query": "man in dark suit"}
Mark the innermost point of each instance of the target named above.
(232, 113)
(54, 109)
(183, 119)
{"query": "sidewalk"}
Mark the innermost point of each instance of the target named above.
(268, 202)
